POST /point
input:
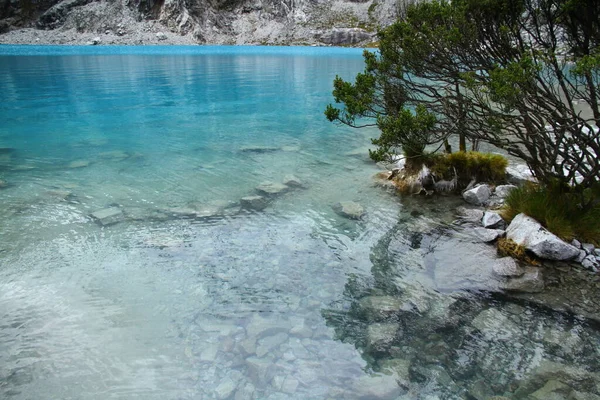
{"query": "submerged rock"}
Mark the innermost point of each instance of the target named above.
(507, 266)
(552, 390)
(271, 188)
(527, 232)
(292, 181)
(3, 184)
(376, 387)
(399, 368)
(79, 164)
(478, 195)
(108, 216)
(116, 155)
(258, 149)
(349, 209)
(256, 203)
(378, 308)
(493, 324)
(381, 335)
(531, 281)
(575, 377)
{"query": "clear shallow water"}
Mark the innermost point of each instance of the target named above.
(238, 304)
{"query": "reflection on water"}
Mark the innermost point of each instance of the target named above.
(196, 294)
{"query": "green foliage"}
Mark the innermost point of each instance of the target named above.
(565, 211)
(407, 130)
(503, 72)
(484, 167)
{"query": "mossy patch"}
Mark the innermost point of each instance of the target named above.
(483, 167)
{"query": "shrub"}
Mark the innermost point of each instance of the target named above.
(483, 167)
(568, 212)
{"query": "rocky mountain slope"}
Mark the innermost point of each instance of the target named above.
(284, 22)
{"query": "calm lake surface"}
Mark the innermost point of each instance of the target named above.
(190, 296)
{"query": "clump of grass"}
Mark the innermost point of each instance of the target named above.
(508, 248)
(565, 211)
(483, 167)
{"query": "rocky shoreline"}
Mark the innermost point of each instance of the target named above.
(305, 22)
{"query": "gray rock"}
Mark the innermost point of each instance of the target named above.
(582, 255)
(590, 263)
(488, 235)
(492, 220)
(529, 233)
(478, 195)
(292, 181)
(470, 214)
(531, 281)
(225, 389)
(377, 308)
(576, 243)
(507, 266)
(349, 209)
(257, 203)
(588, 247)
(503, 190)
(161, 36)
(271, 188)
(345, 36)
(381, 335)
(597, 252)
(96, 40)
(376, 387)
(519, 174)
(108, 216)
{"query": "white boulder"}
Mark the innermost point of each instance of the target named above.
(492, 220)
(478, 195)
(527, 232)
(503, 190)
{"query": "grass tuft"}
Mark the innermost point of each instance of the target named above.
(508, 248)
(569, 213)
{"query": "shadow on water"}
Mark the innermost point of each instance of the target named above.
(463, 343)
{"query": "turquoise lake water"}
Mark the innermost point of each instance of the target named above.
(190, 296)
